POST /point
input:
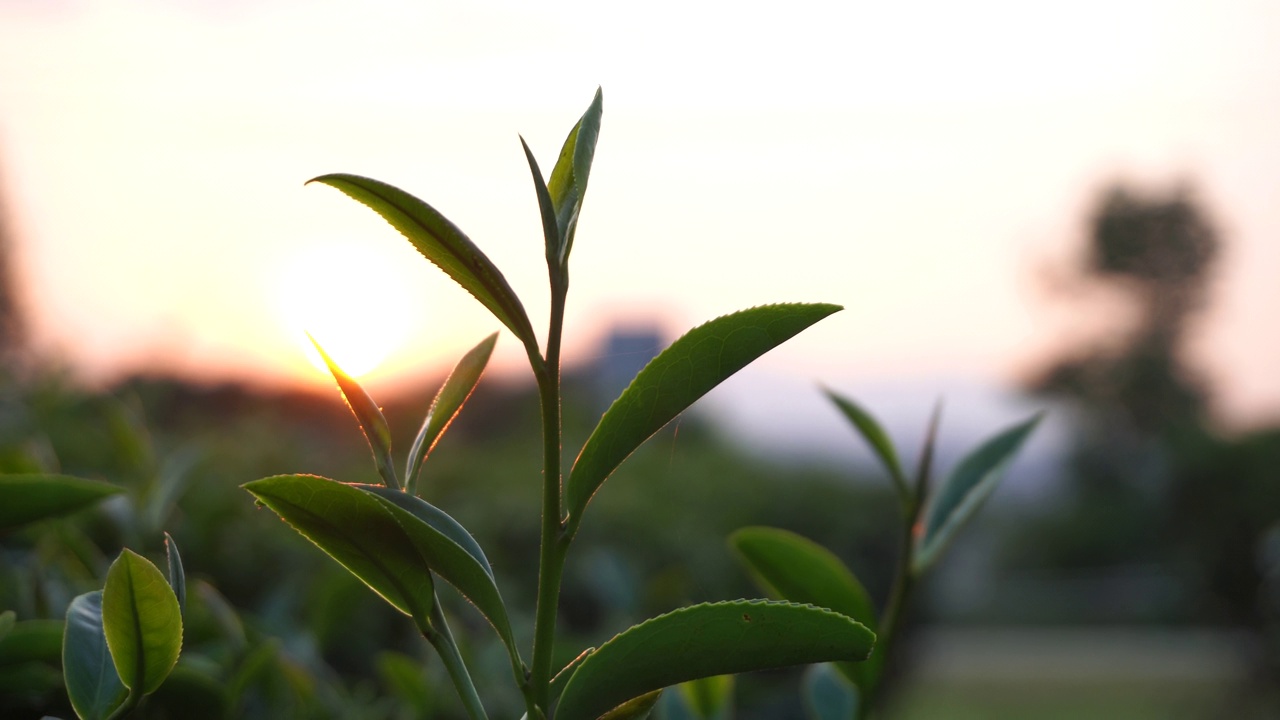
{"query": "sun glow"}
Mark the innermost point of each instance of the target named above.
(355, 304)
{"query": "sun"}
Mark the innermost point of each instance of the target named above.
(356, 304)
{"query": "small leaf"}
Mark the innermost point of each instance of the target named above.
(93, 685)
(356, 529)
(449, 551)
(671, 382)
(372, 422)
(27, 498)
(444, 408)
(177, 576)
(827, 695)
(142, 622)
(441, 242)
(547, 211)
(876, 437)
(795, 568)
(568, 184)
(964, 491)
(704, 640)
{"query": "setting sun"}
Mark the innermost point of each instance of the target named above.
(355, 304)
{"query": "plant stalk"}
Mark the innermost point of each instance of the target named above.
(441, 638)
(553, 543)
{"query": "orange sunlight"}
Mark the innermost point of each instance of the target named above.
(356, 304)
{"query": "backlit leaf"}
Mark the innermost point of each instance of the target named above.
(372, 423)
(568, 183)
(693, 365)
(142, 622)
(705, 640)
(795, 568)
(964, 491)
(93, 686)
(27, 498)
(441, 242)
(356, 529)
(450, 552)
(444, 408)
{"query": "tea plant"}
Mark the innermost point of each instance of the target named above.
(400, 545)
(793, 567)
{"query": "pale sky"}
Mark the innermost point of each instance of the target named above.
(924, 164)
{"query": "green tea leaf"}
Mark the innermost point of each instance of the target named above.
(93, 685)
(177, 576)
(372, 423)
(27, 498)
(568, 183)
(876, 437)
(827, 695)
(795, 568)
(441, 242)
(142, 622)
(32, 640)
(964, 491)
(450, 552)
(356, 529)
(704, 640)
(671, 382)
(546, 209)
(444, 408)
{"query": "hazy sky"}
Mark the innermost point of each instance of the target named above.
(929, 165)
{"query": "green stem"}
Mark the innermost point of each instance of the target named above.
(128, 706)
(441, 638)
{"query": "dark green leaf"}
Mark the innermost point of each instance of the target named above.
(795, 568)
(368, 414)
(450, 552)
(93, 685)
(31, 640)
(177, 576)
(546, 209)
(671, 382)
(964, 491)
(568, 183)
(444, 408)
(27, 498)
(441, 242)
(876, 437)
(704, 640)
(142, 622)
(827, 695)
(356, 529)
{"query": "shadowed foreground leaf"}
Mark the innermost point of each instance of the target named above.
(795, 568)
(142, 622)
(356, 529)
(693, 365)
(876, 437)
(705, 640)
(27, 498)
(93, 686)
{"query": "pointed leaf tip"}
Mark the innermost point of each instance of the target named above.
(372, 422)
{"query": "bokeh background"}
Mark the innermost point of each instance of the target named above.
(1065, 208)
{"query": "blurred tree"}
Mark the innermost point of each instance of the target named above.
(1153, 483)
